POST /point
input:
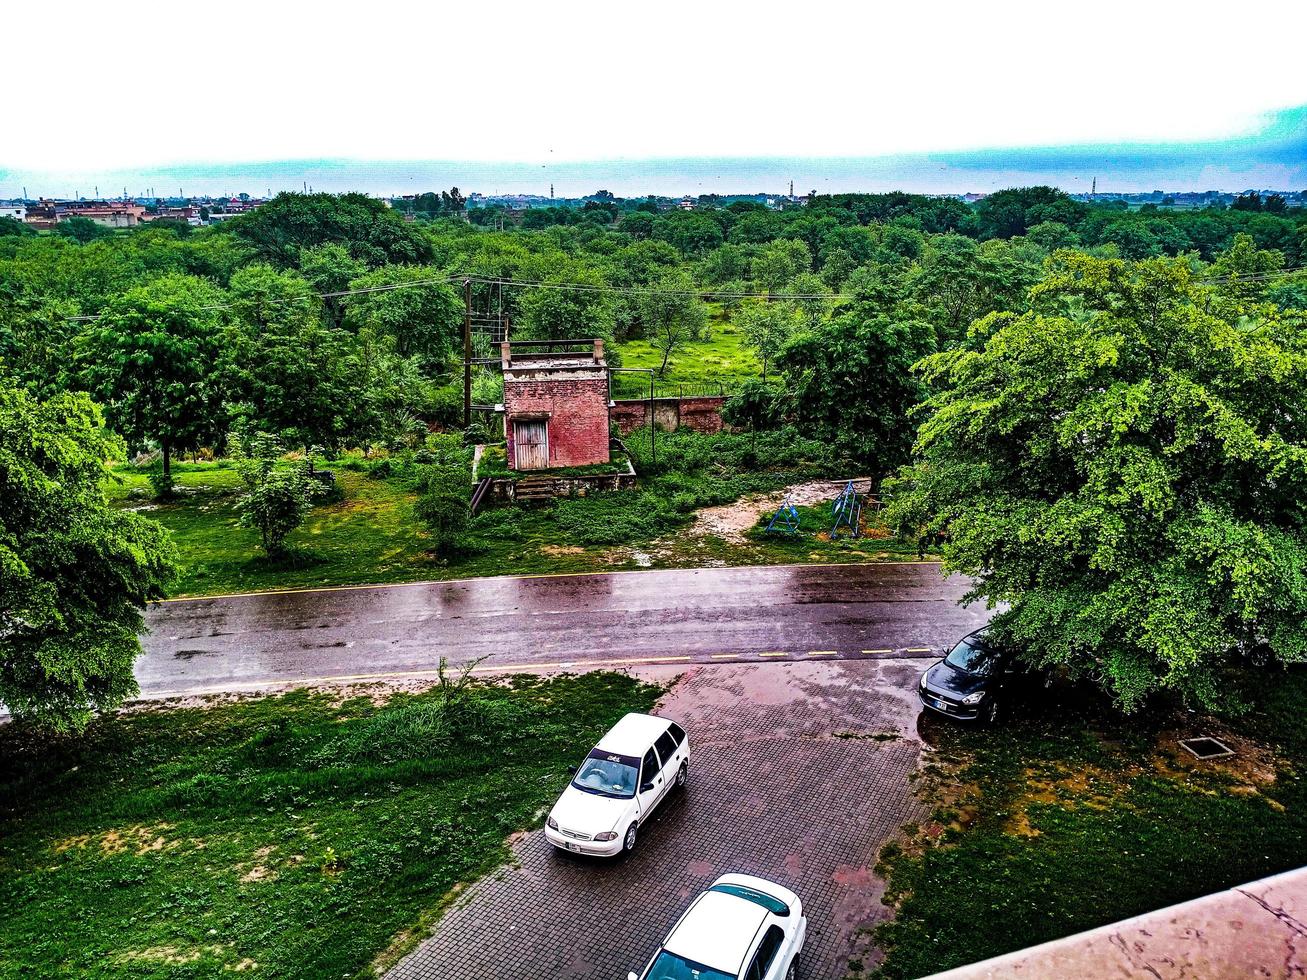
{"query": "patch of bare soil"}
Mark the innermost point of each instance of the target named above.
(140, 839)
(730, 521)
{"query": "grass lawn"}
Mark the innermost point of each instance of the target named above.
(291, 836)
(371, 535)
(722, 359)
(1071, 817)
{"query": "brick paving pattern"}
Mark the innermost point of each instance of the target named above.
(785, 783)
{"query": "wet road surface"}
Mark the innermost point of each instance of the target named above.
(624, 618)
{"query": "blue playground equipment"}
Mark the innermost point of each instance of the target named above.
(785, 520)
(847, 512)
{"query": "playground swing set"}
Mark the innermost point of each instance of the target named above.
(846, 512)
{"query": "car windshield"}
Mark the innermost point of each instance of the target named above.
(669, 966)
(606, 774)
(972, 658)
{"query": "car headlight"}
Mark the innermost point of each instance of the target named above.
(606, 836)
(922, 684)
(974, 698)
(553, 824)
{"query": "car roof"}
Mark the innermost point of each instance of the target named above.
(717, 931)
(633, 734)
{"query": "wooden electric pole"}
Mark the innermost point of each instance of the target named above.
(467, 352)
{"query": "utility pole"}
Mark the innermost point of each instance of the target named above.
(467, 352)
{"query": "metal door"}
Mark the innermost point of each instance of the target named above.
(530, 444)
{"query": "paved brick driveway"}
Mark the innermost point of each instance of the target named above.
(785, 782)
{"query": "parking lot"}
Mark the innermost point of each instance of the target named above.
(799, 773)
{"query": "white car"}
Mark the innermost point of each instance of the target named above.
(632, 769)
(742, 928)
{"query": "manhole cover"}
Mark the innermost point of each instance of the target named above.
(1206, 747)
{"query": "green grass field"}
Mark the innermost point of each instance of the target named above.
(284, 836)
(723, 360)
(1070, 817)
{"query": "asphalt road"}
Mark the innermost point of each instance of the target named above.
(234, 643)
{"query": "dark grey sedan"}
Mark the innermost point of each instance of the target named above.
(970, 683)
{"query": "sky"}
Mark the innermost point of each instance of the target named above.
(666, 98)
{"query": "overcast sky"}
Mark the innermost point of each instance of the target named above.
(132, 86)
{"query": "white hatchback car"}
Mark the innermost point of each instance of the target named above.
(742, 928)
(632, 769)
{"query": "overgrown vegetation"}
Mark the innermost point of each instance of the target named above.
(290, 836)
(1068, 817)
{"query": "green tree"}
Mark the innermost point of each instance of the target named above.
(330, 269)
(298, 374)
(779, 262)
(277, 498)
(1125, 472)
(424, 316)
(767, 327)
(81, 230)
(561, 314)
(153, 358)
(277, 232)
(75, 573)
(672, 314)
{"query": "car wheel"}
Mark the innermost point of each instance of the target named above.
(682, 775)
(793, 971)
(628, 842)
(991, 713)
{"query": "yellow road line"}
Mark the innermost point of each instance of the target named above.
(369, 587)
(822, 653)
(916, 650)
(877, 651)
(774, 653)
(726, 656)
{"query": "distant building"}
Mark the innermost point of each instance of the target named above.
(16, 211)
(555, 406)
(188, 213)
(104, 213)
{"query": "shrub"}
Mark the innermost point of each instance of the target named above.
(160, 482)
(444, 493)
(276, 500)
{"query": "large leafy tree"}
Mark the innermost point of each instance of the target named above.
(672, 315)
(74, 571)
(1124, 471)
(552, 313)
(369, 230)
(153, 359)
(424, 316)
(298, 374)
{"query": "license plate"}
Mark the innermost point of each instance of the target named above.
(941, 705)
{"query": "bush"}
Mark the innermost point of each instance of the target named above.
(276, 500)
(444, 493)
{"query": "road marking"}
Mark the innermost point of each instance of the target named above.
(774, 653)
(877, 651)
(369, 587)
(726, 656)
(916, 650)
(822, 653)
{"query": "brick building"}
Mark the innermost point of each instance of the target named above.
(555, 406)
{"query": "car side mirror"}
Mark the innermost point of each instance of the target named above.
(646, 787)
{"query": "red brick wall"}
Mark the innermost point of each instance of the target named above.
(630, 416)
(703, 415)
(578, 417)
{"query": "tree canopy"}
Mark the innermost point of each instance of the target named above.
(75, 572)
(1122, 468)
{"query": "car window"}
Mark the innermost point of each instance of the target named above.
(607, 774)
(651, 766)
(973, 658)
(665, 746)
(669, 966)
(762, 959)
(678, 734)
